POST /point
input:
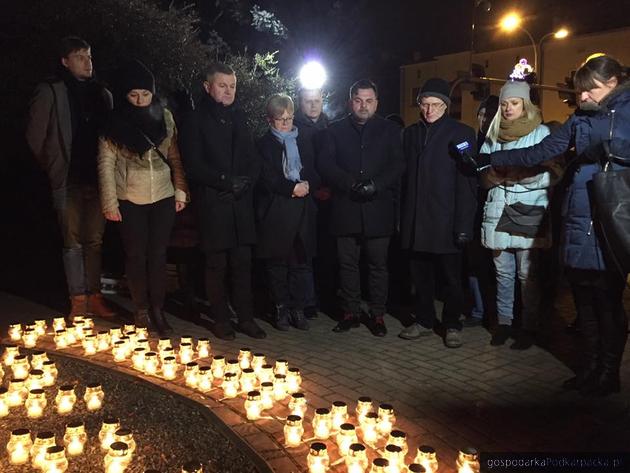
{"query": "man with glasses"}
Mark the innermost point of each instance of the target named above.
(438, 211)
(360, 156)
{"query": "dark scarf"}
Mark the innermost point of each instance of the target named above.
(127, 123)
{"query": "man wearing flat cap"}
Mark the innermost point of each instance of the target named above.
(438, 209)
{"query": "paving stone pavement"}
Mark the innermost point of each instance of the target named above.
(492, 398)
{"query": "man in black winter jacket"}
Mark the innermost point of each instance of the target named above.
(439, 202)
(222, 167)
(360, 156)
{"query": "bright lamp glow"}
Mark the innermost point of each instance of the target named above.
(510, 22)
(561, 33)
(312, 75)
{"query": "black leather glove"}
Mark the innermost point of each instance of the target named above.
(364, 190)
(462, 239)
(240, 185)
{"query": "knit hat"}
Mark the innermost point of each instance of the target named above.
(134, 75)
(436, 87)
(514, 88)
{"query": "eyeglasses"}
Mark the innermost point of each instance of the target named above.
(284, 121)
(432, 106)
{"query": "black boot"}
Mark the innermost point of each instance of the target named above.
(281, 318)
(161, 324)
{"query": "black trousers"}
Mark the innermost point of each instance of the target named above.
(236, 265)
(349, 250)
(429, 269)
(291, 279)
(145, 231)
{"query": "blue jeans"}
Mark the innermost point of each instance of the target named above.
(82, 225)
(509, 264)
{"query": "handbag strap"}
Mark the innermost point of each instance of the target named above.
(157, 150)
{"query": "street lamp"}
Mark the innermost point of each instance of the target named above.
(312, 75)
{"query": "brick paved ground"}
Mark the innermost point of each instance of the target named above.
(492, 398)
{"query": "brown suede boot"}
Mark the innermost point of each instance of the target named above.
(78, 305)
(97, 306)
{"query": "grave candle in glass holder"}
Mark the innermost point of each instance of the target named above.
(114, 334)
(93, 396)
(322, 423)
(79, 331)
(102, 340)
(43, 440)
(126, 436)
(133, 339)
(258, 361)
(35, 403)
(369, 429)
(88, 322)
(356, 459)
(297, 404)
(185, 353)
(17, 392)
(253, 405)
(230, 385)
(386, 419)
(394, 455)
(128, 328)
(4, 402)
(167, 352)
(143, 343)
(50, 373)
(204, 379)
(364, 405)
(89, 345)
(20, 367)
(138, 358)
(245, 358)
(143, 333)
(416, 468)
(339, 414)
(150, 363)
(248, 380)
(186, 339)
(398, 437)
(106, 434)
(29, 338)
(40, 327)
(19, 446)
(203, 348)
(380, 465)
(191, 374)
(118, 458)
(266, 393)
(281, 367)
(75, 438)
(468, 461)
(169, 368)
(59, 323)
(38, 358)
(279, 387)
(65, 399)
(191, 467)
(317, 459)
(61, 339)
(71, 335)
(10, 352)
(294, 380)
(119, 351)
(293, 431)
(427, 457)
(346, 436)
(232, 366)
(265, 373)
(164, 342)
(35, 380)
(15, 332)
(218, 366)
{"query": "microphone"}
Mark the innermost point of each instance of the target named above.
(464, 150)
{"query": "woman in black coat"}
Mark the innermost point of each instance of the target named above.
(286, 212)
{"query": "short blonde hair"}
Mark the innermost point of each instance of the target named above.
(277, 104)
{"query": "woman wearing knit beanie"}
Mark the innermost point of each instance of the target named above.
(514, 226)
(142, 185)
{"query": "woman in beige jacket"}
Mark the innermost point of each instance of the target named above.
(142, 185)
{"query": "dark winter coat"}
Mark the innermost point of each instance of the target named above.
(216, 144)
(349, 153)
(439, 197)
(582, 248)
(280, 216)
(309, 128)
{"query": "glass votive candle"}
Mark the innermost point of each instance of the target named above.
(293, 431)
(279, 387)
(75, 438)
(232, 366)
(427, 457)
(204, 379)
(50, 373)
(59, 323)
(294, 380)
(317, 459)
(106, 434)
(191, 374)
(78, 329)
(253, 405)
(138, 358)
(398, 437)
(218, 366)
(15, 332)
(55, 460)
(143, 333)
(186, 339)
(164, 342)
(43, 440)
(248, 380)
(364, 405)
(297, 404)
(386, 419)
(127, 345)
(322, 423)
(10, 352)
(93, 396)
(167, 352)
(4, 402)
(65, 399)
(151, 363)
(128, 328)
(115, 333)
(416, 468)
(17, 392)
(118, 458)
(192, 467)
(126, 436)
(245, 358)
(266, 393)
(102, 340)
(20, 366)
(346, 436)
(230, 385)
(169, 368)
(356, 459)
(394, 455)
(265, 373)
(40, 327)
(143, 343)
(61, 339)
(35, 403)
(119, 351)
(89, 345)
(71, 335)
(281, 367)
(258, 361)
(88, 322)
(380, 465)
(29, 338)
(133, 339)
(38, 358)
(468, 461)
(203, 348)
(339, 413)
(369, 428)
(35, 380)
(19, 446)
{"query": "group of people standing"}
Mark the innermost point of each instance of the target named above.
(122, 157)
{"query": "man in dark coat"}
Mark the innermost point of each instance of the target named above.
(360, 156)
(222, 166)
(65, 114)
(438, 210)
